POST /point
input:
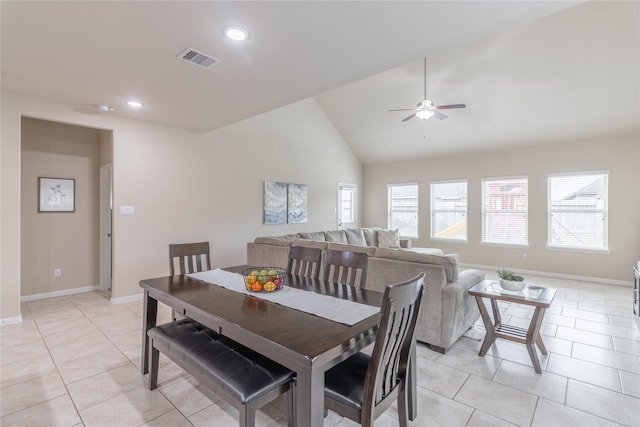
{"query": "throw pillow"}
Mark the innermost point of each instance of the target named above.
(388, 239)
(355, 237)
(371, 236)
(318, 236)
(335, 236)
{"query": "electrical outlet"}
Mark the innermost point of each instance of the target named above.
(57, 272)
(524, 255)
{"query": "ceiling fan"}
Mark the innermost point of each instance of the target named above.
(425, 109)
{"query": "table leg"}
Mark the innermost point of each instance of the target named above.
(488, 325)
(149, 318)
(497, 319)
(533, 338)
(310, 397)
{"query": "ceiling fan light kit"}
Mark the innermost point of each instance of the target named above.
(425, 109)
(424, 114)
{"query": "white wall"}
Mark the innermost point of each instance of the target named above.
(619, 155)
(186, 186)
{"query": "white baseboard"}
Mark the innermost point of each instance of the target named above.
(63, 292)
(11, 320)
(126, 299)
(554, 275)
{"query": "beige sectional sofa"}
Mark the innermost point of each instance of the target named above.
(447, 309)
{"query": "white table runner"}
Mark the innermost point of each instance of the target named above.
(328, 307)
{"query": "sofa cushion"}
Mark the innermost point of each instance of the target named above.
(432, 251)
(318, 236)
(355, 236)
(352, 248)
(277, 240)
(335, 236)
(371, 235)
(310, 243)
(448, 261)
(388, 239)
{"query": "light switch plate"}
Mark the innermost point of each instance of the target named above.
(127, 210)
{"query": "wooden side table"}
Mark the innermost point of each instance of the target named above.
(539, 297)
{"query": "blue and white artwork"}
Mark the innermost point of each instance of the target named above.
(275, 202)
(297, 211)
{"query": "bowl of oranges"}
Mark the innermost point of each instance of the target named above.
(263, 279)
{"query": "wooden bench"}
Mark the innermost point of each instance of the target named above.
(239, 375)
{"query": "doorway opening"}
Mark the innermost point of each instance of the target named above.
(106, 225)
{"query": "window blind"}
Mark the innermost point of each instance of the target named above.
(578, 211)
(403, 209)
(505, 210)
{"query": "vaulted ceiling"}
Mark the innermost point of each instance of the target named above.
(529, 71)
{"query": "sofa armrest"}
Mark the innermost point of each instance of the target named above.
(459, 309)
(468, 278)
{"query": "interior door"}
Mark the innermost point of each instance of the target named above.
(347, 205)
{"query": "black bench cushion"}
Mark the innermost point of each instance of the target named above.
(217, 359)
(184, 333)
(345, 381)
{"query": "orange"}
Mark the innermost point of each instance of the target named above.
(256, 287)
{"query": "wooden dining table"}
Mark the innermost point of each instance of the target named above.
(307, 344)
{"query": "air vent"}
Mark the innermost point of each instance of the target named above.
(198, 58)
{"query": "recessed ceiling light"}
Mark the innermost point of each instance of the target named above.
(236, 33)
(134, 104)
(104, 108)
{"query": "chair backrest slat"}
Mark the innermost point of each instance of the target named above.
(190, 257)
(304, 261)
(345, 267)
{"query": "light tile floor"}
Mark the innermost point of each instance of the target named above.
(75, 361)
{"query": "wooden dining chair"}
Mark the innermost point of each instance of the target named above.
(345, 267)
(362, 387)
(304, 261)
(190, 257)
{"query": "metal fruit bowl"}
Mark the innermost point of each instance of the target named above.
(263, 279)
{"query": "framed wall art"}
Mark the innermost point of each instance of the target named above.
(56, 194)
(297, 204)
(275, 202)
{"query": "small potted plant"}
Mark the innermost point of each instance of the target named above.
(510, 281)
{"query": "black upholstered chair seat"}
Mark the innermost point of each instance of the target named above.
(345, 382)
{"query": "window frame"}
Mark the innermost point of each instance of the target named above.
(604, 211)
(433, 211)
(516, 211)
(353, 189)
(390, 211)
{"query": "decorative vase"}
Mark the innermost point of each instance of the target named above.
(511, 285)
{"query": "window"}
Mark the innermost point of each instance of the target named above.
(504, 211)
(578, 213)
(449, 210)
(403, 209)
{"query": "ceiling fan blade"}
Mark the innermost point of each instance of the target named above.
(439, 115)
(410, 117)
(403, 109)
(447, 107)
